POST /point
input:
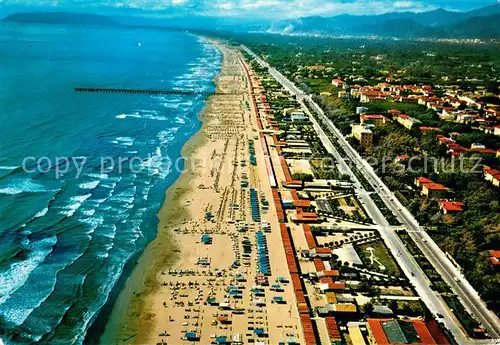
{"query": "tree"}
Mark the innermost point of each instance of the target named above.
(393, 305)
(368, 308)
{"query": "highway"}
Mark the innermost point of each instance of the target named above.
(466, 293)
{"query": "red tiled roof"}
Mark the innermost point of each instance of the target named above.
(332, 328)
(435, 186)
(378, 331)
(331, 273)
(305, 215)
(445, 140)
(493, 172)
(451, 206)
(425, 128)
(319, 265)
(372, 116)
(424, 180)
(423, 332)
(381, 338)
(301, 203)
(436, 333)
(372, 93)
(336, 286)
(323, 250)
(480, 150)
(311, 242)
(494, 261)
(326, 280)
(495, 254)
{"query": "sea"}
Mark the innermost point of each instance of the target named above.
(83, 175)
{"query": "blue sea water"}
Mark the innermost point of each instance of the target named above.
(65, 237)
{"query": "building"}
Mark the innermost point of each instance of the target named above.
(495, 258)
(392, 331)
(363, 135)
(401, 158)
(465, 117)
(298, 117)
(451, 206)
(493, 176)
(419, 182)
(430, 189)
(333, 330)
(406, 121)
(382, 311)
(356, 335)
(496, 131)
(393, 113)
(343, 94)
(325, 253)
(338, 83)
(366, 97)
(434, 190)
(375, 120)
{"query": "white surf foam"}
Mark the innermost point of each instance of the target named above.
(24, 186)
(75, 203)
(42, 213)
(89, 185)
(18, 272)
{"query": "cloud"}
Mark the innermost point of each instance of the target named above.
(404, 4)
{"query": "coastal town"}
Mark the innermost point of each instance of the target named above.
(277, 172)
(282, 242)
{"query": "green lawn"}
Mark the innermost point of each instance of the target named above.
(382, 254)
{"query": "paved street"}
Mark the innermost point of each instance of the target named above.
(441, 263)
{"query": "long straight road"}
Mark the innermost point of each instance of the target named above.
(450, 274)
(468, 296)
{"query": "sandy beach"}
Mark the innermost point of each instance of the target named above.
(183, 288)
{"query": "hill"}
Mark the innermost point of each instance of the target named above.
(60, 18)
(436, 23)
(484, 27)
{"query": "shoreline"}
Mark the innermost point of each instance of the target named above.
(194, 281)
(123, 323)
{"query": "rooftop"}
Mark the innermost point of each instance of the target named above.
(392, 331)
(435, 186)
(447, 205)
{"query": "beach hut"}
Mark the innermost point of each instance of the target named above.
(191, 336)
(260, 332)
(240, 278)
(221, 340)
(279, 300)
(212, 301)
(237, 339)
(224, 320)
(206, 239)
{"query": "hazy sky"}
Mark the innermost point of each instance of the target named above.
(249, 8)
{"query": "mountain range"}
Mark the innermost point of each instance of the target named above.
(440, 23)
(482, 23)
